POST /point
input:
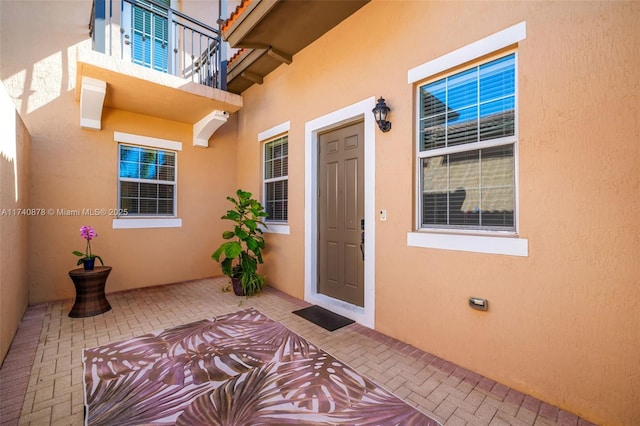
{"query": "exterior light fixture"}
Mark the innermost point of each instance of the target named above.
(380, 113)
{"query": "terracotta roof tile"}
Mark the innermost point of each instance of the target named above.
(239, 9)
(235, 56)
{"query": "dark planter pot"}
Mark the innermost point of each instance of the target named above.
(88, 264)
(237, 287)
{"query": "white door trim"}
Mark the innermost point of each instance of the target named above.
(351, 113)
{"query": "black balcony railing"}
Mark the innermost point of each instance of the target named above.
(155, 36)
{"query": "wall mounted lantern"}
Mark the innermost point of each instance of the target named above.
(380, 113)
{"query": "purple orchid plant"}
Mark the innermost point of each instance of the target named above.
(88, 233)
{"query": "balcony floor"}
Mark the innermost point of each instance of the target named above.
(41, 377)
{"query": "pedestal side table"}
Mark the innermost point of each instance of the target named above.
(90, 297)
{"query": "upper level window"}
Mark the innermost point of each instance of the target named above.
(147, 181)
(276, 179)
(148, 25)
(466, 148)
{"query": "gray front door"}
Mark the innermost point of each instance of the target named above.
(341, 214)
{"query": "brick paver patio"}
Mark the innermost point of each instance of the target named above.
(41, 377)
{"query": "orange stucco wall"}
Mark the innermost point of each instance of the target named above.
(562, 323)
(74, 169)
(14, 220)
(88, 180)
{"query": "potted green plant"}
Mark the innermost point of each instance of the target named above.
(240, 255)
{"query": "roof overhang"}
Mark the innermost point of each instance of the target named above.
(103, 81)
(272, 31)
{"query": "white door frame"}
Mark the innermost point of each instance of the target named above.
(351, 113)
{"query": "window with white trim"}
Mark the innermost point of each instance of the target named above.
(276, 179)
(466, 154)
(147, 181)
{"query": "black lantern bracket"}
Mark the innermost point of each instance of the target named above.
(380, 113)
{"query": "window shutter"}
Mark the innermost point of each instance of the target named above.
(150, 36)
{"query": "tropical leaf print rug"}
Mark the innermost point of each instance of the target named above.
(237, 369)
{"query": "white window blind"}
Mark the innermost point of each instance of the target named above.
(147, 181)
(276, 179)
(466, 152)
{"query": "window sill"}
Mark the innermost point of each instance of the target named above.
(276, 228)
(510, 246)
(147, 223)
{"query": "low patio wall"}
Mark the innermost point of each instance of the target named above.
(14, 220)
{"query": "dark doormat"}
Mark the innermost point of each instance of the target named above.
(323, 317)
